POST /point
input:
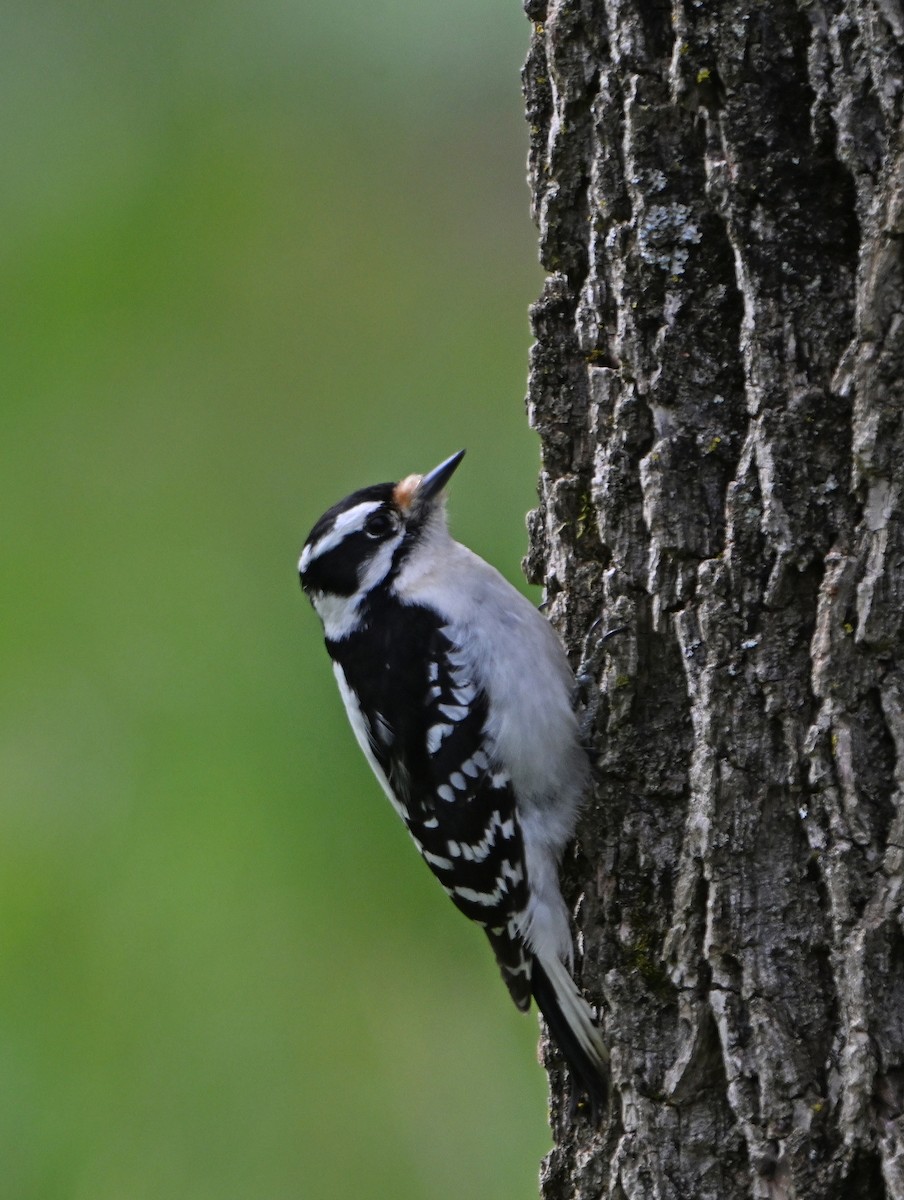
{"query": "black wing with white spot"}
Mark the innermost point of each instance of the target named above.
(425, 721)
(473, 826)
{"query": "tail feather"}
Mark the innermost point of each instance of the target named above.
(514, 960)
(571, 1026)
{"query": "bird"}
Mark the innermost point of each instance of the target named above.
(460, 695)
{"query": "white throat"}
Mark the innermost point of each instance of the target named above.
(339, 614)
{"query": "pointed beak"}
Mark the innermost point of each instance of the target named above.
(434, 481)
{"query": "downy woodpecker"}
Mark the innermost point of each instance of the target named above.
(460, 695)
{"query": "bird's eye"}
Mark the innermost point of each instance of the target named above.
(378, 524)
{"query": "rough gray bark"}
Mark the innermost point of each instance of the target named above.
(717, 381)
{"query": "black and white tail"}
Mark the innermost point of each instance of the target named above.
(572, 1028)
(566, 1012)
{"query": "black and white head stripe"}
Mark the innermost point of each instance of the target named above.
(343, 540)
(349, 521)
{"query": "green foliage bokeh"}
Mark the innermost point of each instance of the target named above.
(253, 256)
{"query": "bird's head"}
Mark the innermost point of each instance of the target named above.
(360, 543)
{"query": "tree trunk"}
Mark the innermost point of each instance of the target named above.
(717, 383)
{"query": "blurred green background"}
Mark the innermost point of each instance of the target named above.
(253, 256)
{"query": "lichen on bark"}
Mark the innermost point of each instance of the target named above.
(717, 384)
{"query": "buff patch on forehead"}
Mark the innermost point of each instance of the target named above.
(403, 492)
